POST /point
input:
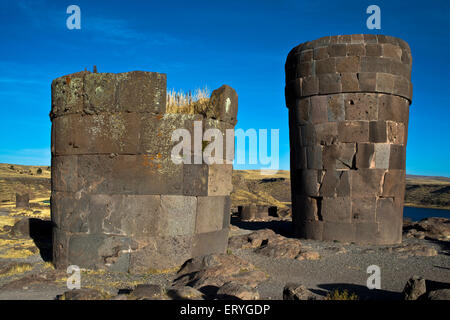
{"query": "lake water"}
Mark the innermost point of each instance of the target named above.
(416, 214)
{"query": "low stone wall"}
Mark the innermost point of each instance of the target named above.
(348, 98)
(118, 200)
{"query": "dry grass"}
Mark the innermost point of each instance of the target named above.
(344, 295)
(180, 102)
(16, 268)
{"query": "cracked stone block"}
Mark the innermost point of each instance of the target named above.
(307, 207)
(335, 183)
(326, 133)
(393, 184)
(339, 156)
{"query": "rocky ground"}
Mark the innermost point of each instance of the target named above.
(262, 262)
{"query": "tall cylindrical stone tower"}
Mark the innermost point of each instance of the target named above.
(119, 200)
(348, 98)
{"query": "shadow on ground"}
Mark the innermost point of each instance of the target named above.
(41, 233)
(362, 292)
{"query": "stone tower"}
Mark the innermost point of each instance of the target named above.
(118, 200)
(348, 98)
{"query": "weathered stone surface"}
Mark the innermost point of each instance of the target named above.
(224, 102)
(210, 213)
(248, 212)
(336, 209)
(441, 294)
(148, 292)
(84, 294)
(185, 293)
(209, 242)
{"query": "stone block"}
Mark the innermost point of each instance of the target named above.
(335, 183)
(361, 106)
(402, 87)
(367, 81)
(337, 50)
(349, 82)
(60, 245)
(301, 111)
(320, 53)
(365, 182)
(384, 82)
(309, 229)
(394, 183)
(356, 38)
(161, 253)
(378, 131)
(100, 93)
(326, 66)
(305, 56)
(310, 86)
(326, 133)
(365, 156)
(382, 154)
(309, 182)
(393, 108)
(70, 211)
(314, 157)
(347, 64)
(400, 69)
(341, 231)
(219, 179)
(308, 135)
(395, 132)
(225, 101)
(136, 216)
(353, 131)
(305, 69)
(210, 212)
(210, 242)
(373, 50)
(339, 156)
(318, 112)
(389, 218)
(300, 160)
(67, 94)
(391, 51)
(65, 173)
(330, 83)
(140, 91)
(356, 49)
(364, 209)
(262, 213)
(306, 208)
(177, 216)
(375, 64)
(195, 179)
(100, 251)
(336, 209)
(397, 159)
(366, 233)
(336, 110)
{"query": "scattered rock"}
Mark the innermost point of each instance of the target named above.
(83, 294)
(21, 228)
(442, 294)
(22, 200)
(185, 293)
(308, 255)
(148, 292)
(415, 288)
(416, 250)
(211, 272)
(432, 228)
(236, 291)
(293, 291)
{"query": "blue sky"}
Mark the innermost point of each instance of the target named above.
(208, 43)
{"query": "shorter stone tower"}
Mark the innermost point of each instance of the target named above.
(119, 201)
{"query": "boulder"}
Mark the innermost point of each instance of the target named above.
(148, 292)
(236, 291)
(415, 288)
(442, 294)
(293, 291)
